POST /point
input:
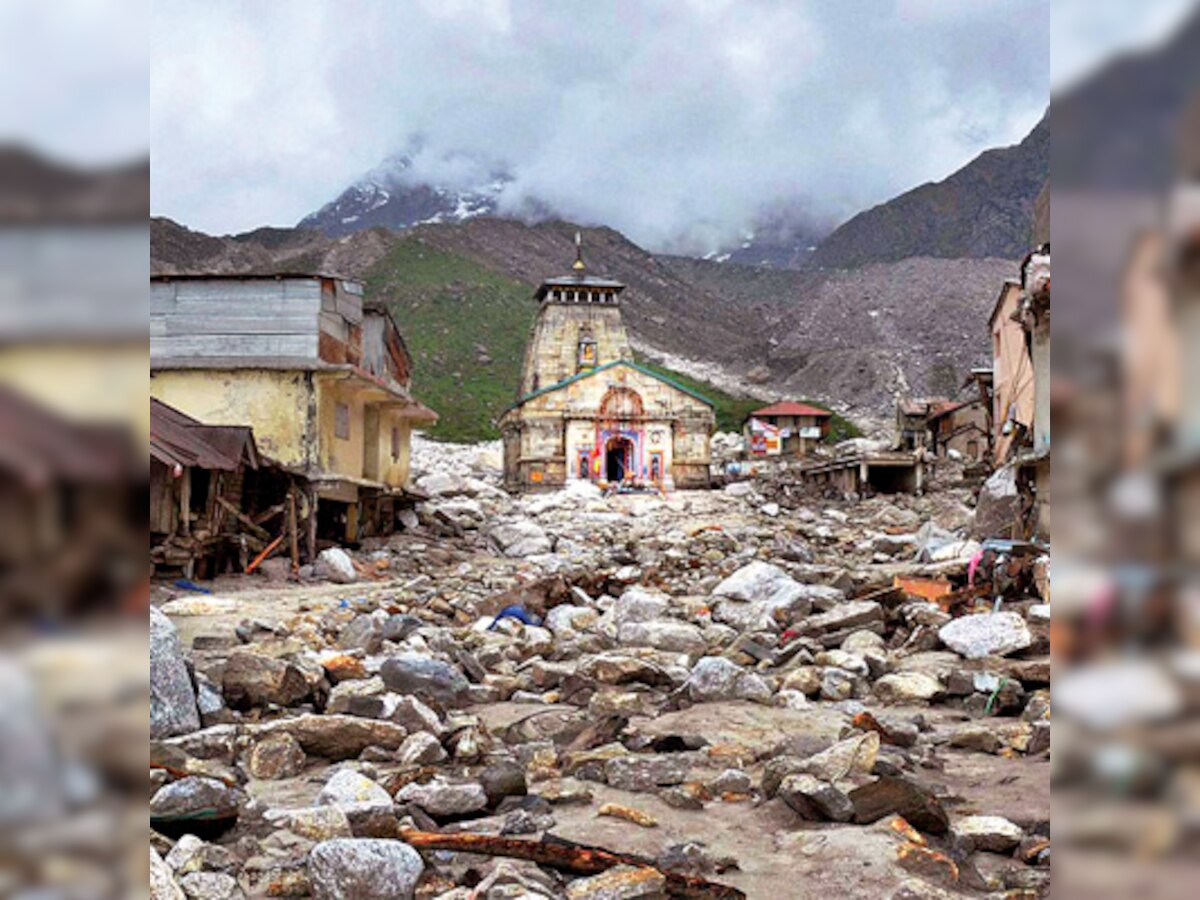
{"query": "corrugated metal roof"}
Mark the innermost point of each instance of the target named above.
(178, 439)
(790, 408)
(40, 448)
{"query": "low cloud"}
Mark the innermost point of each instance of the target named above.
(679, 123)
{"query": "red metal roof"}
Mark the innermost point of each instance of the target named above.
(790, 408)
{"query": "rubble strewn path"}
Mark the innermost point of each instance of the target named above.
(725, 690)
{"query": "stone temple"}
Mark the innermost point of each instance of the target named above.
(586, 410)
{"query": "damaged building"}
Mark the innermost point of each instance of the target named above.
(320, 375)
(587, 410)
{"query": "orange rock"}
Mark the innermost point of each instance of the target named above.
(629, 814)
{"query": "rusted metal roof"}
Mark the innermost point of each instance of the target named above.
(790, 408)
(41, 448)
(176, 439)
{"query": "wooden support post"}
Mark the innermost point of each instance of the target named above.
(293, 529)
(351, 523)
(311, 537)
(185, 501)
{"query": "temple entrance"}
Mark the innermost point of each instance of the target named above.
(618, 459)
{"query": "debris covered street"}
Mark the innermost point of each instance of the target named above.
(751, 691)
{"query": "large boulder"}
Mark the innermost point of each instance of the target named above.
(715, 678)
(352, 792)
(753, 597)
(440, 798)
(253, 680)
(173, 707)
(334, 737)
(364, 869)
(520, 538)
(335, 564)
(987, 634)
(194, 795)
(431, 680)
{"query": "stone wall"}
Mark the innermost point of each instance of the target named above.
(554, 346)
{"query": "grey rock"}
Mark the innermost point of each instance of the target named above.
(420, 749)
(194, 794)
(335, 564)
(646, 772)
(439, 798)
(715, 678)
(988, 634)
(504, 778)
(210, 886)
(429, 679)
(352, 792)
(173, 707)
(815, 799)
(364, 869)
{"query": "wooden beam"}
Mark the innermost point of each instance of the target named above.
(576, 859)
(253, 528)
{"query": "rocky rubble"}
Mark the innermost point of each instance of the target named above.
(609, 671)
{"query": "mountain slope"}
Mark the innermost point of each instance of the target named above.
(463, 294)
(985, 209)
(391, 196)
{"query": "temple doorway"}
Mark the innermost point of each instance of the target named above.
(618, 459)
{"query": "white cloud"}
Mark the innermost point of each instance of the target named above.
(677, 123)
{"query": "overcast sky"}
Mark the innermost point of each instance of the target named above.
(678, 122)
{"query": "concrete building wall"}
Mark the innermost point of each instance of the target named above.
(274, 403)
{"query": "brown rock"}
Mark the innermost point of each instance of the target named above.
(901, 796)
(276, 756)
(251, 679)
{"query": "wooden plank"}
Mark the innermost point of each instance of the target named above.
(233, 323)
(234, 345)
(234, 306)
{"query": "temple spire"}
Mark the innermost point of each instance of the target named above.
(578, 265)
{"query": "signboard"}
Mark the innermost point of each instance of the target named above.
(811, 431)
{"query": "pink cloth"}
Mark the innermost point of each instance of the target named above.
(972, 566)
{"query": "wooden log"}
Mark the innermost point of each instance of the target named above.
(576, 859)
(264, 554)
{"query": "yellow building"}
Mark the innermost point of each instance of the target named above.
(320, 375)
(587, 411)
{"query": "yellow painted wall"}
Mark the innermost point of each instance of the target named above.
(87, 381)
(273, 403)
(341, 455)
(394, 470)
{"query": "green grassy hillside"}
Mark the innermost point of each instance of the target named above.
(467, 327)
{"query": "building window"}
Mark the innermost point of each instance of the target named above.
(395, 443)
(585, 462)
(587, 352)
(341, 421)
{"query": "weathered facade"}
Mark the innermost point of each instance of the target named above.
(587, 411)
(320, 375)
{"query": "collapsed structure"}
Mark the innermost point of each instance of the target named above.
(588, 411)
(320, 375)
